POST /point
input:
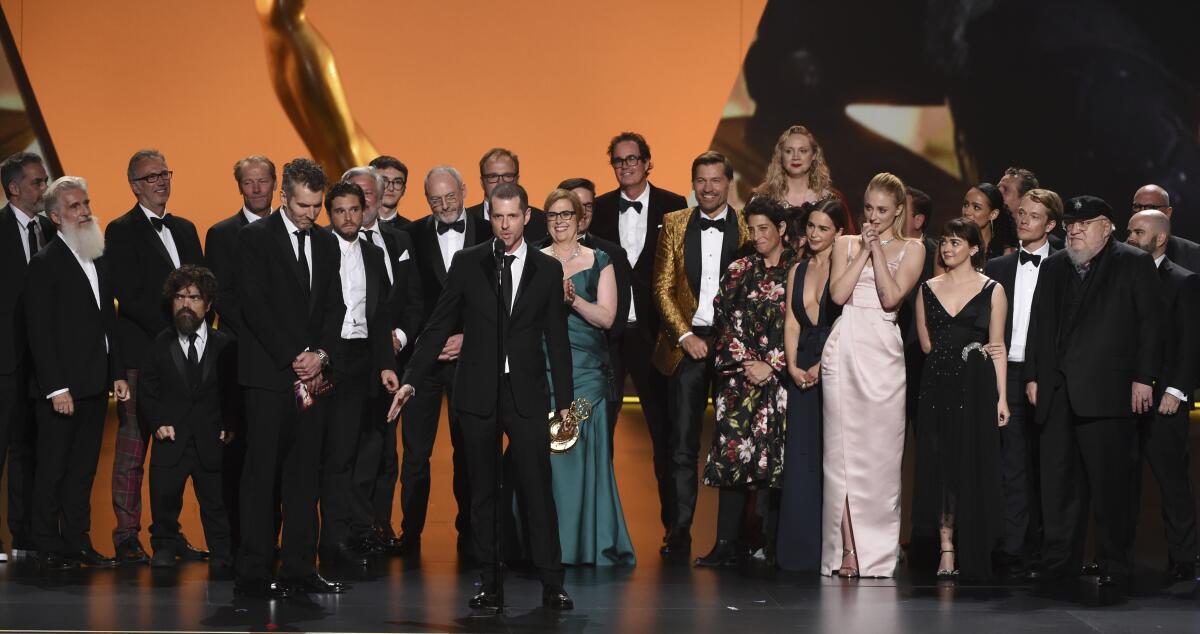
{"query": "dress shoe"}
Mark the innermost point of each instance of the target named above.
(56, 561)
(1107, 580)
(555, 598)
(1091, 569)
(314, 584)
(487, 599)
(408, 545)
(163, 558)
(130, 551)
(190, 552)
(259, 589)
(1182, 571)
(678, 546)
(220, 568)
(724, 554)
(346, 555)
(92, 559)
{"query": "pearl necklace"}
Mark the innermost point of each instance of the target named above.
(574, 254)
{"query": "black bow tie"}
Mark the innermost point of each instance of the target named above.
(457, 225)
(719, 225)
(624, 205)
(1025, 256)
(157, 223)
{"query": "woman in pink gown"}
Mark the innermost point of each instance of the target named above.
(862, 369)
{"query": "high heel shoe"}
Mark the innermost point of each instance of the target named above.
(846, 571)
(944, 573)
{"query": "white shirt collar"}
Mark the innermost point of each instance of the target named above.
(643, 197)
(1158, 260)
(347, 246)
(720, 216)
(251, 216)
(521, 251)
(288, 225)
(201, 333)
(151, 214)
(1043, 250)
(27, 217)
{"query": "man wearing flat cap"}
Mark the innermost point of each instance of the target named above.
(1094, 350)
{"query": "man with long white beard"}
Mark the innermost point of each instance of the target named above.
(72, 328)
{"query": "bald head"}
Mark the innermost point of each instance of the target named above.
(1149, 231)
(1152, 197)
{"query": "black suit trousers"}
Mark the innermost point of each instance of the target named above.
(636, 348)
(689, 389)
(418, 431)
(166, 502)
(371, 466)
(1018, 455)
(68, 448)
(1164, 445)
(341, 440)
(18, 442)
(283, 450)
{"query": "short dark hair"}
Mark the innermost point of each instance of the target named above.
(922, 204)
(769, 207)
(643, 147)
(1025, 179)
(509, 191)
(383, 161)
(713, 158)
(253, 158)
(578, 183)
(966, 229)
(497, 152)
(344, 188)
(305, 172)
(191, 275)
(13, 168)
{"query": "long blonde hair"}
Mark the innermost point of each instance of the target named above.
(775, 185)
(891, 184)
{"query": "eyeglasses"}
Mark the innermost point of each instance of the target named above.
(154, 178)
(555, 215)
(1137, 207)
(492, 179)
(1081, 225)
(395, 183)
(180, 297)
(442, 202)
(627, 161)
(588, 207)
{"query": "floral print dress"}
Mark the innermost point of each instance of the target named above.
(749, 436)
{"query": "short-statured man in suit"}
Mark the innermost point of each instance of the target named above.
(395, 184)
(921, 206)
(377, 467)
(144, 246)
(496, 167)
(508, 395)
(1180, 251)
(436, 238)
(188, 390)
(1093, 353)
(23, 232)
(631, 216)
(76, 361)
(1164, 430)
(1039, 213)
(364, 352)
(694, 248)
(291, 301)
(255, 176)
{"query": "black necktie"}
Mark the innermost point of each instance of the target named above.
(1025, 256)
(719, 225)
(31, 229)
(157, 223)
(458, 225)
(624, 205)
(506, 283)
(193, 360)
(302, 257)
(370, 235)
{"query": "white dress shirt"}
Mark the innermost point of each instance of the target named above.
(251, 216)
(354, 290)
(291, 231)
(165, 235)
(25, 224)
(452, 241)
(517, 267)
(201, 339)
(632, 228)
(89, 270)
(711, 243)
(1173, 391)
(1023, 287)
(377, 240)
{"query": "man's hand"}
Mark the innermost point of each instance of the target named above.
(405, 392)
(451, 350)
(1142, 397)
(695, 347)
(390, 382)
(1169, 405)
(121, 390)
(562, 413)
(63, 404)
(226, 437)
(306, 365)
(1002, 413)
(1031, 392)
(166, 432)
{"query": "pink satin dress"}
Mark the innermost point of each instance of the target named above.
(862, 370)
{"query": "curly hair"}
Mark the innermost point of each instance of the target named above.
(775, 184)
(191, 275)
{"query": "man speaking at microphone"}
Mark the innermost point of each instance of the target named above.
(516, 403)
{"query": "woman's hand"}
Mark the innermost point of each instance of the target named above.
(1002, 413)
(799, 377)
(995, 351)
(757, 372)
(568, 292)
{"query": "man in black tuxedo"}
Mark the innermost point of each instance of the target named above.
(143, 246)
(914, 359)
(76, 360)
(1039, 212)
(498, 166)
(508, 395)
(188, 390)
(1094, 351)
(631, 216)
(395, 183)
(1164, 430)
(255, 176)
(23, 232)
(291, 301)
(436, 238)
(364, 352)
(1180, 251)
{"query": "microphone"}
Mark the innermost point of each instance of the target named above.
(498, 252)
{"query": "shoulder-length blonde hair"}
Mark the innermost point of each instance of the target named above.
(775, 186)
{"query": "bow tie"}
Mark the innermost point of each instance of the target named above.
(624, 205)
(706, 224)
(157, 223)
(1025, 256)
(457, 225)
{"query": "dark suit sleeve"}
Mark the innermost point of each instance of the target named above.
(554, 328)
(441, 324)
(406, 300)
(227, 384)
(278, 337)
(1183, 338)
(381, 338)
(1042, 322)
(335, 309)
(116, 364)
(218, 257)
(39, 306)
(143, 306)
(1148, 306)
(150, 390)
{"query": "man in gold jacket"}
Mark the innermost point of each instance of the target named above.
(694, 247)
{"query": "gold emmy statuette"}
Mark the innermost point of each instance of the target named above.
(307, 83)
(564, 432)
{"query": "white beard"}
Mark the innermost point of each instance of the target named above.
(88, 241)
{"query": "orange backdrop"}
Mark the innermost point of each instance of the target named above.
(430, 82)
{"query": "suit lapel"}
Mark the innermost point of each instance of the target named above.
(527, 273)
(693, 251)
(149, 234)
(283, 241)
(181, 361)
(372, 281)
(732, 238)
(435, 249)
(488, 266)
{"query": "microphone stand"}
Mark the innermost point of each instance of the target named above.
(498, 250)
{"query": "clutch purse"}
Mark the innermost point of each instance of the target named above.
(306, 394)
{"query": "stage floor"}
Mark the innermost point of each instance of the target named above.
(431, 595)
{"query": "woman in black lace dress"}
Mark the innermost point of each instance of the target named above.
(960, 322)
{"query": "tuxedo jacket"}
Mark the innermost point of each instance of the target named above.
(535, 229)
(396, 222)
(67, 329)
(140, 265)
(677, 270)
(14, 342)
(219, 244)
(537, 326)
(404, 299)
(283, 316)
(1114, 339)
(1184, 253)
(622, 275)
(431, 270)
(1004, 270)
(1181, 342)
(605, 224)
(199, 412)
(379, 315)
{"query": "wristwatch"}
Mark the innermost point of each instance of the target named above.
(324, 358)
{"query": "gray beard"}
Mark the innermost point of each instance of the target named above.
(1082, 256)
(88, 242)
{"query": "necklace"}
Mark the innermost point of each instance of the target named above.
(884, 243)
(574, 254)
